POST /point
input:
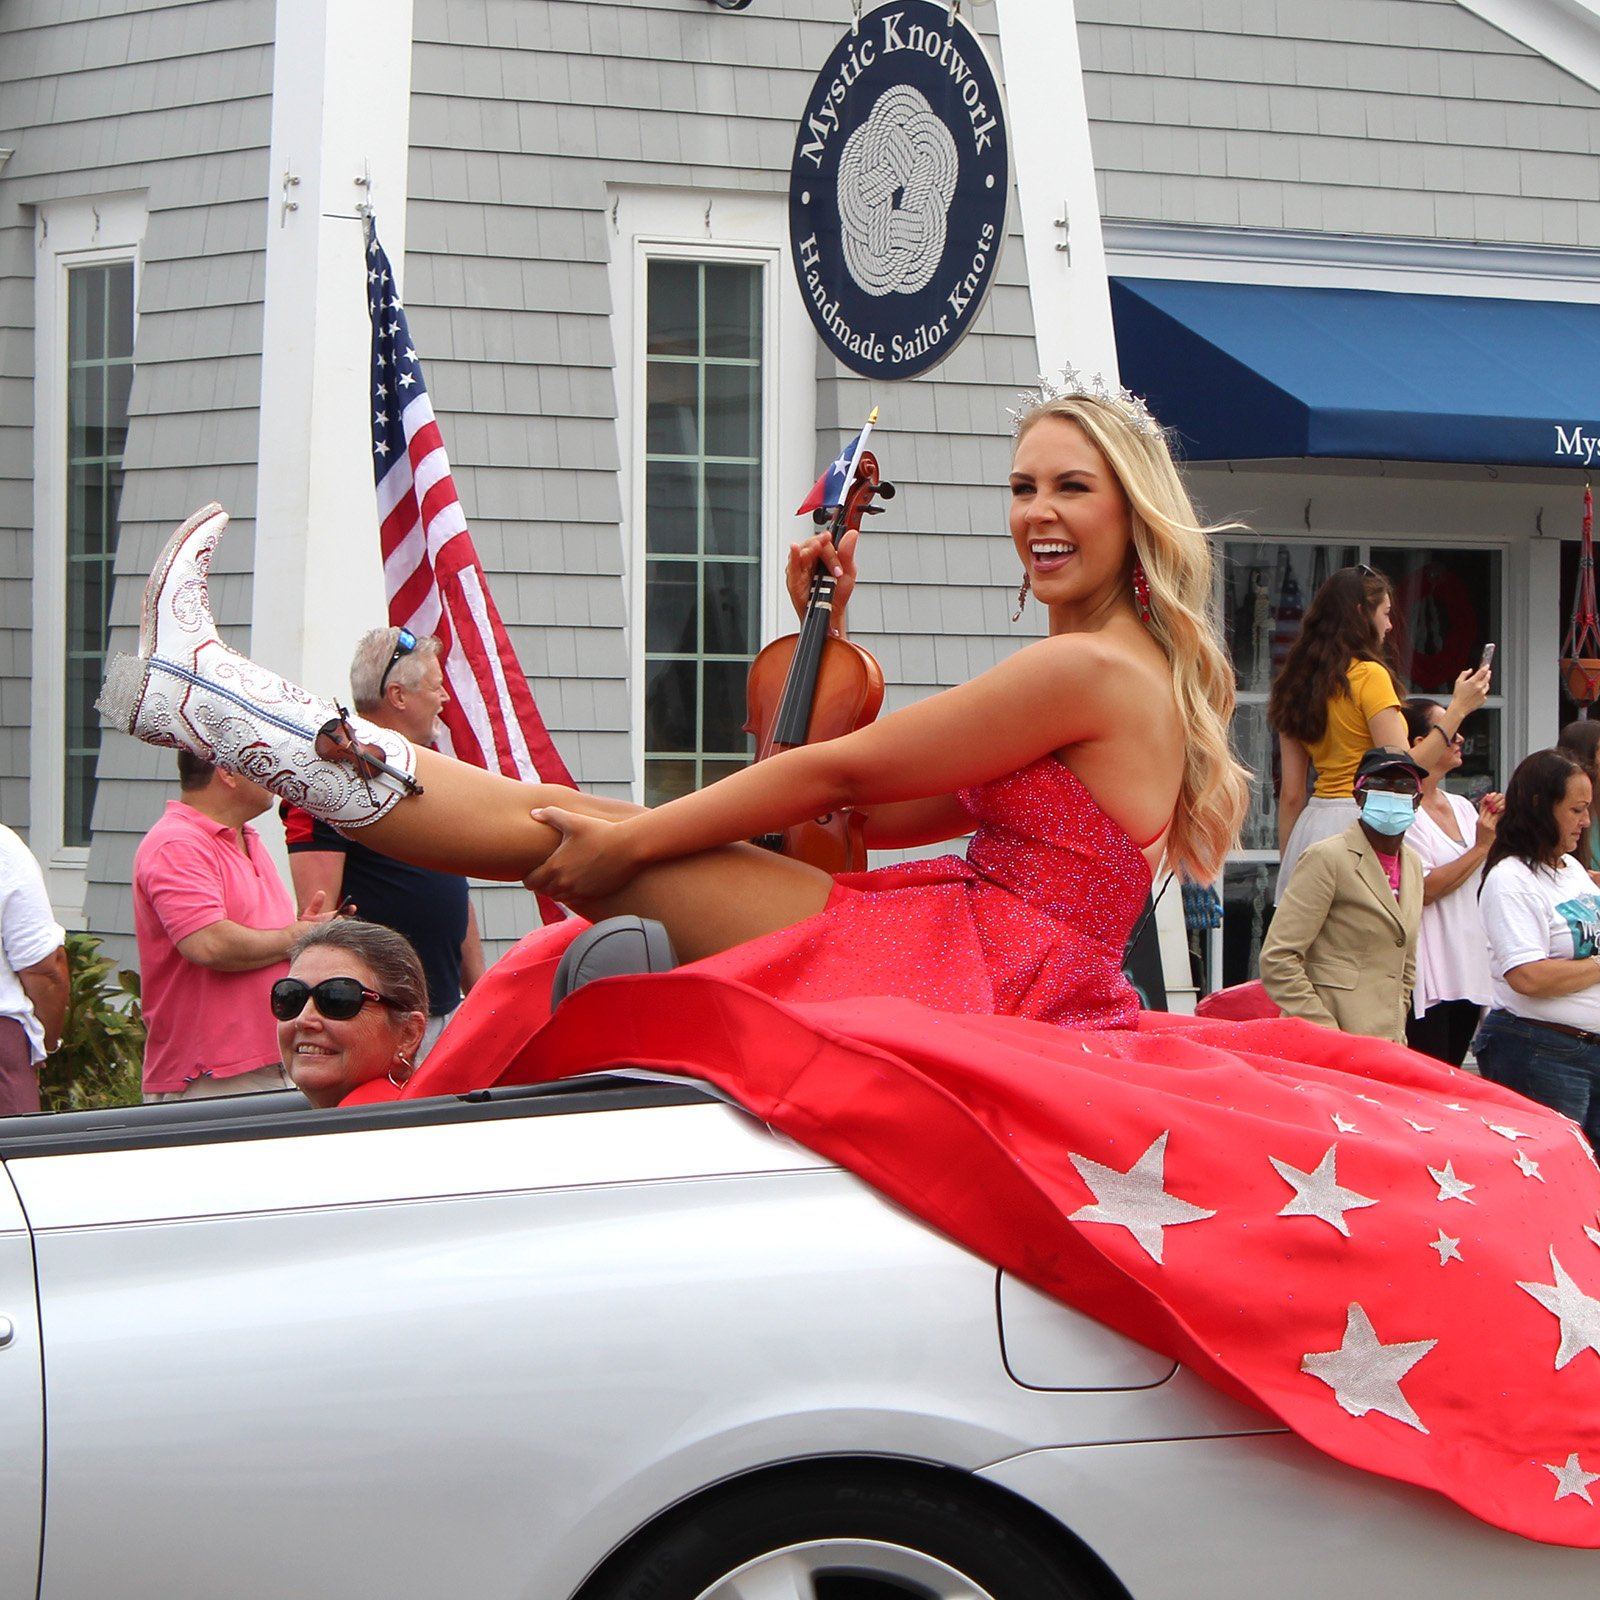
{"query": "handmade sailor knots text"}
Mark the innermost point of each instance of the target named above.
(903, 150)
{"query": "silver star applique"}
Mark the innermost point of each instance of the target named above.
(1317, 1193)
(1450, 1186)
(1512, 1134)
(1530, 1167)
(1136, 1199)
(1450, 1105)
(1577, 1312)
(1571, 1478)
(1594, 1234)
(1364, 1373)
(1448, 1248)
(1416, 1127)
(1343, 1126)
(1368, 1098)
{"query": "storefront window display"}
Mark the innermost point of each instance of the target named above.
(1449, 603)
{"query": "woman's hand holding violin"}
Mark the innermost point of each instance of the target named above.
(807, 554)
(593, 861)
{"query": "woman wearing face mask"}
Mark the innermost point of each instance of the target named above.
(1452, 837)
(1341, 950)
(1541, 912)
(1336, 698)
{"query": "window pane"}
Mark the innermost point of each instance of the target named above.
(86, 414)
(1257, 747)
(119, 321)
(731, 628)
(712, 771)
(669, 705)
(86, 313)
(723, 727)
(670, 508)
(85, 608)
(667, 780)
(733, 411)
(669, 608)
(1446, 609)
(672, 398)
(1246, 910)
(1265, 591)
(733, 311)
(673, 293)
(733, 510)
(119, 382)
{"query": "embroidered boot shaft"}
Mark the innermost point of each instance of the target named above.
(188, 690)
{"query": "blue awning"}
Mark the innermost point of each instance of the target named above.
(1248, 371)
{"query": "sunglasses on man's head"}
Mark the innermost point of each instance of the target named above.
(337, 999)
(404, 644)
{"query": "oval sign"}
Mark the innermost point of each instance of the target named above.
(898, 190)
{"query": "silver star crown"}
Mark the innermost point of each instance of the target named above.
(1073, 384)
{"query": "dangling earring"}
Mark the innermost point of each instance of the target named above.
(410, 1067)
(1141, 591)
(1022, 597)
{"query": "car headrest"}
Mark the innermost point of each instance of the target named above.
(609, 949)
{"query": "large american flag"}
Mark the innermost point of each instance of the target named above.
(432, 574)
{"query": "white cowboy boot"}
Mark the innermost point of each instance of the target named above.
(187, 689)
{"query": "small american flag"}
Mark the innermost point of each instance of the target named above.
(432, 574)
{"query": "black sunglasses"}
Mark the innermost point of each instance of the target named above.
(404, 644)
(338, 999)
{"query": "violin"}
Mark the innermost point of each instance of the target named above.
(810, 686)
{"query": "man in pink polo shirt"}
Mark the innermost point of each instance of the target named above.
(214, 925)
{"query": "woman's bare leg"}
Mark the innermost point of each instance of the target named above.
(479, 824)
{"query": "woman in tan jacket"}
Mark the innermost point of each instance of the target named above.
(1341, 950)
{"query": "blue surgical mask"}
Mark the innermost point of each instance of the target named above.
(1387, 813)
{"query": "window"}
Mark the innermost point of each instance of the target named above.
(1449, 603)
(86, 274)
(716, 434)
(99, 377)
(702, 524)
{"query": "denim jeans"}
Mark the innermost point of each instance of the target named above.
(1556, 1070)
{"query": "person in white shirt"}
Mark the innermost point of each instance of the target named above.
(1453, 838)
(1541, 912)
(33, 976)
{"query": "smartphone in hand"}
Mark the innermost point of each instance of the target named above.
(1488, 657)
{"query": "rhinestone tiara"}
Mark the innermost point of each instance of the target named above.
(1073, 384)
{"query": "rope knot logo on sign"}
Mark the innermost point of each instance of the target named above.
(897, 177)
(898, 189)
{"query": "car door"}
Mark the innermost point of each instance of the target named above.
(21, 1403)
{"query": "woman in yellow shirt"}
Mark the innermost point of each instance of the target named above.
(1336, 698)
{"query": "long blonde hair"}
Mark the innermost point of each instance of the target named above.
(1175, 549)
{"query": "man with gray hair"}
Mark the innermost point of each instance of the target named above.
(397, 681)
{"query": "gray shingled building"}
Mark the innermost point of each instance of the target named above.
(180, 302)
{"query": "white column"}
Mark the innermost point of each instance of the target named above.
(1050, 152)
(1540, 660)
(341, 109)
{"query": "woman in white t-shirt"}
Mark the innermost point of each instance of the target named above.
(1453, 837)
(1541, 911)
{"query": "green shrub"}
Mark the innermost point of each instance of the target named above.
(101, 1059)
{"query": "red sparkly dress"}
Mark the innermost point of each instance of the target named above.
(1394, 1258)
(1032, 922)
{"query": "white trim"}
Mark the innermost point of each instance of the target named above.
(67, 234)
(1565, 32)
(1348, 261)
(710, 225)
(1048, 119)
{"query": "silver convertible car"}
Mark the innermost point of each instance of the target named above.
(609, 1340)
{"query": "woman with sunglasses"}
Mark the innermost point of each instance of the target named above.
(1541, 911)
(1452, 836)
(1336, 698)
(351, 1013)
